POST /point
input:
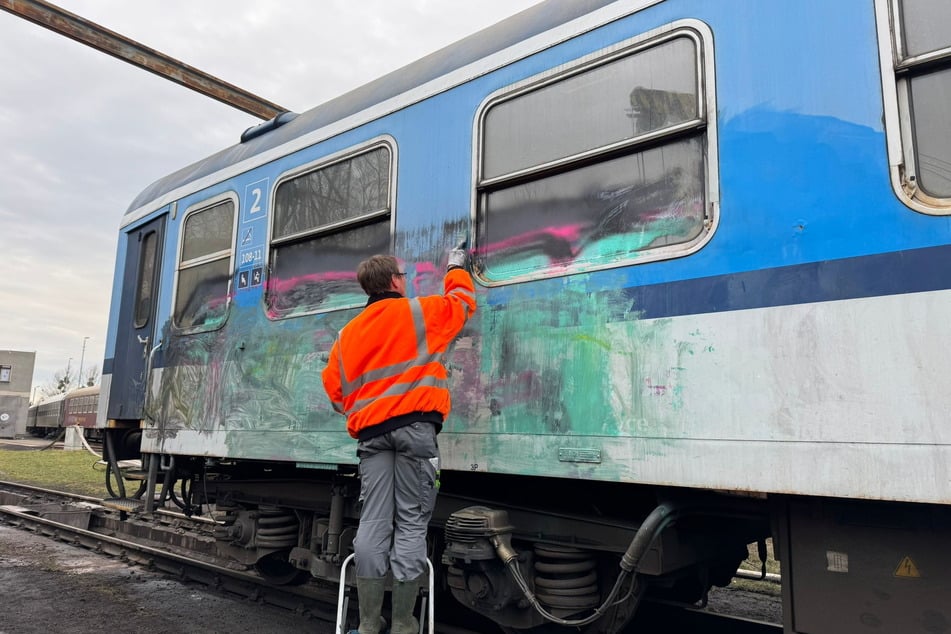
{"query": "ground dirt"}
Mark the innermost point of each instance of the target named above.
(749, 605)
(47, 587)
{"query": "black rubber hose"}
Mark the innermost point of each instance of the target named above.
(112, 465)
(655, 523)
(649, 530)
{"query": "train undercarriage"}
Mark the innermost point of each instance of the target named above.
(526, 553)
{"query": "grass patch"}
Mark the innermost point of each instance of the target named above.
(760, 587)
(752, 562)
(72, 471)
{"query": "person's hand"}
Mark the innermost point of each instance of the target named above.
(458, 257)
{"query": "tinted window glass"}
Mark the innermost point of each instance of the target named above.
(202, 299)
(617, 153)
(930, 96)
(325, 222)
(641, 93)
(927, 25)
(336, 193)
(308, 274)
(208, 231)
(143, 292)
(597, 214)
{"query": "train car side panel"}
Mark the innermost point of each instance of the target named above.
(712, 308)
(626, 368)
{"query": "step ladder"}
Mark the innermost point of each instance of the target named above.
(427, 625)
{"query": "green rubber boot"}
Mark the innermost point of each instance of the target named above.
(404, 602)
(370, 595)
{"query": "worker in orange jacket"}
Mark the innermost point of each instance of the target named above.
(386, 374)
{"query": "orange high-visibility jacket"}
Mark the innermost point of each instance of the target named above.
(388, 361)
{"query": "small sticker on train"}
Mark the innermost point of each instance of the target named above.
(837, 562)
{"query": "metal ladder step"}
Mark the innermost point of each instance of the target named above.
(427, 625)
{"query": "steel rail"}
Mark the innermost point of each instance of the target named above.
(94, 500)
(309, 601)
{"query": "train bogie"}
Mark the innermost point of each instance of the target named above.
(710, 263)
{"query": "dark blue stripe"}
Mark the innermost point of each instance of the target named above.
(893, 273)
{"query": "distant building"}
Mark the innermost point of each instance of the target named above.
(16, 378)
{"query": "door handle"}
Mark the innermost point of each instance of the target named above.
(145, 345)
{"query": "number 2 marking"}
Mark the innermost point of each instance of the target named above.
(256, 205)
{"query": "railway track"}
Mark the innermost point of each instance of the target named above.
(183, 547)
(173, 544)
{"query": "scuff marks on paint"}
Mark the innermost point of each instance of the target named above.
(254, 385)
(562, 362)
(253, 374)
(564, 365)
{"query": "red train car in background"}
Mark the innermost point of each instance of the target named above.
(77, 407)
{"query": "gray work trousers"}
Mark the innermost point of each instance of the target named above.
(398, 485)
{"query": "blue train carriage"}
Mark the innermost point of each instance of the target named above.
(711, 245)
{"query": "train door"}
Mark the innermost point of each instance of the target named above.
(136, 330)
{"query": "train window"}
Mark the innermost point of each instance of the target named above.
(925, 25)
(146, 282)
(922, 71)
(599, 165)
(326, 221)
(204, 271)
(5, 373)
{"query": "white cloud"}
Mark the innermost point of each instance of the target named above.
(83, 133)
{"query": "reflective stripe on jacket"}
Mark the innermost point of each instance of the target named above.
(388, 360)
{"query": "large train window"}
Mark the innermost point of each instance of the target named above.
(916, 60)
(607, 162)
(204, 271)
(326, 220)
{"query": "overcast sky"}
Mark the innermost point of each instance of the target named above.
(82, 133)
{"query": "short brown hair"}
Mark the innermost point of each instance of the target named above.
(375, 274)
